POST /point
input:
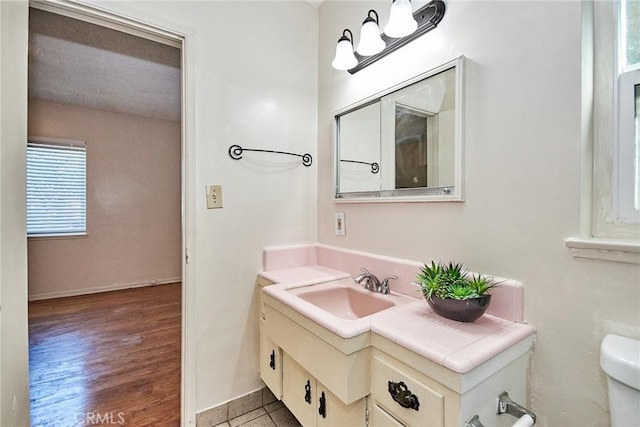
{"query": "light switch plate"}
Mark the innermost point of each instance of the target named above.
(340, 224)
(214, 196)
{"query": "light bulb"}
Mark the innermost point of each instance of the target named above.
(401, 22)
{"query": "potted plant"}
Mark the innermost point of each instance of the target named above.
(452, 293)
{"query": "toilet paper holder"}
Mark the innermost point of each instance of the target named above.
(505, 406)
(508, 406)
(473, 422)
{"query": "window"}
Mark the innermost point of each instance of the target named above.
(610, 156)
(56, 188)
(627, 164)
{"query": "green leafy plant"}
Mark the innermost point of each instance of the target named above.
(451, 281)
(481, 284)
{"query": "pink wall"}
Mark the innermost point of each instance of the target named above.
(133, 204)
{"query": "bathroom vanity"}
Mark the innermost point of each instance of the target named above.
(338, 357)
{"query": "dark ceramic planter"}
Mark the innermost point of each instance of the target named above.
(462, 310)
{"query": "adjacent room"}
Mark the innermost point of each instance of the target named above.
(104, 224)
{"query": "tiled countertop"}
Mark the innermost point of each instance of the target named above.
(306, 275)
(458, 346)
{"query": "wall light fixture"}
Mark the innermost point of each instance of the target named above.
(403, 27)
(370, 40)
(345, 59)
(401, 22)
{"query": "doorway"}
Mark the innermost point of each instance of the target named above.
(131, 145)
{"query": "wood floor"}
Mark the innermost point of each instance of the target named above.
(106, 359)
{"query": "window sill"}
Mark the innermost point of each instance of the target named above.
(625, 251)
(57, 236)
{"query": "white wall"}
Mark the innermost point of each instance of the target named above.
(14, 386)
(522, 183)
(134, 231)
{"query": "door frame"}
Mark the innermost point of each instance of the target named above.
(183, 38)
(14, 354)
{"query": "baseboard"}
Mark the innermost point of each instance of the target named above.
(108, 288)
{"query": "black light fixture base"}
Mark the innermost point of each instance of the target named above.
(428, 17)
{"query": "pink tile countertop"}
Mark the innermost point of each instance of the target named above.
(458, 346)
(507, 299)
(305, 275)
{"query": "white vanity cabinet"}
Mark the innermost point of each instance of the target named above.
(403, 396)
(312, 403)
(296, 363)
(372, 378)
(270, 363)
(410, 390)
(382, 418)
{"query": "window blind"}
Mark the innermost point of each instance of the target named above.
(56, 189)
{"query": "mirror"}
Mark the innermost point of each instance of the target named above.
(404, 144)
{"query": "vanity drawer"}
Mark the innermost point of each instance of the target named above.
(381, 418)
(404, 396)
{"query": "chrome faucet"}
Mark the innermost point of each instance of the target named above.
(372, 283)
(384, 285)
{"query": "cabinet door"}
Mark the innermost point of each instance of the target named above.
(299, 391)
(406, 398)
(332, 412)
(382, 419)
(270, 363)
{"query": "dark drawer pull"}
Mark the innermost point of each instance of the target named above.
(322, 410)
(272, 360)
(307, 392)
(401, 394)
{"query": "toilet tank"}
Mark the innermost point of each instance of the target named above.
(620, 360)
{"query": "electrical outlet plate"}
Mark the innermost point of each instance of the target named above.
(340, 224)
(214, 196)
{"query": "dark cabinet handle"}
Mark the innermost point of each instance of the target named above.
(307, 392)
(322, 409)
(401, 394)
(272, 360)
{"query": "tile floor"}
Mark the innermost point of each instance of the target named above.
(274, 414)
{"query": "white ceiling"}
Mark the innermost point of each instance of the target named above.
(77, 63)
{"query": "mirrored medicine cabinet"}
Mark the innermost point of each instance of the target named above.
(404, 144)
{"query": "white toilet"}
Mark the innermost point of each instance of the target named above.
(620, 359)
